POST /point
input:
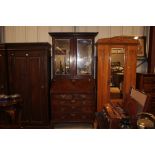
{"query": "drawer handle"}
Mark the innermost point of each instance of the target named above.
(27, 54)
(83, 117)
(73, 107)
(0, 55)
(62, 109)
(42, 86)
(73, 81)
(84, 102)
(62, 117)
(73, 101)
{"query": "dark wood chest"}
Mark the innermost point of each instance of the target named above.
(146, 83)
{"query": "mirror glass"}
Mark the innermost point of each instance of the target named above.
(62, 56)
(84, 56)
(117, 73)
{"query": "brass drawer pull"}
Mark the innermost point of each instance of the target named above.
(73, 107)
(72, 115)
(73, 81)
(27, 54)
(73, 101)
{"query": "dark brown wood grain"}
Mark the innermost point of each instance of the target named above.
(146, 83)
(73, 97)
(29, 75)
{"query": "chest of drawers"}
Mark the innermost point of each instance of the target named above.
(146, 83)
(75, 102)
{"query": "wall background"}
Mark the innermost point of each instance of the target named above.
(40, 34)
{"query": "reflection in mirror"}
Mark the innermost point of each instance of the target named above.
(62, 56)
(117, 73)
(84, 56)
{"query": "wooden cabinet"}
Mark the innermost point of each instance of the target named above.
(3, 70)
(73, 88)
(116, 58)
(151, 53)
(29, 76)
(146, 82)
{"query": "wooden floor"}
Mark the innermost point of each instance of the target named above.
(73, 126)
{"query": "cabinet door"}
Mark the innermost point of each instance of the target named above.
(3, 73)
(38, 93)
(18, 83)
(103, 82)
(63, 57)
(84, 57)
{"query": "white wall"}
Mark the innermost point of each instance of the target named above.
(40, 33)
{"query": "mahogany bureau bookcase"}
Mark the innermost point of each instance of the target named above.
(73, 88)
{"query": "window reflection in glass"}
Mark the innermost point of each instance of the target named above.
(84, 56)
(62, 56)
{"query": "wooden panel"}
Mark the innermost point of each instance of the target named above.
(43, 35)
(3, 71)
(9, 34)
(55, 28)
(130, 70)
(91, 29)
(73, 86)
(146, 83)
(67, 29)
(17, 74)
(127, 30)
(138, 30)
(104, 32)
(151, 54)
(82, 29)
(20, 34)
(116, 31)
(103, 77)
(31, 34)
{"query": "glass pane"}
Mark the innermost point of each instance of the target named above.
(84, 56)
(62, 56)
(117, 73)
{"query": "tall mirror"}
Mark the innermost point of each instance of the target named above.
(117, 73)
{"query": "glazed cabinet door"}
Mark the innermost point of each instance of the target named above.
(63, 56)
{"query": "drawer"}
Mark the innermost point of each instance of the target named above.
(72, 97)
(149, 80)
(73, 102)
(61, 96)
(83, 96)
(72, 117)
(149, 88)
(73, 108)
(73, 86)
